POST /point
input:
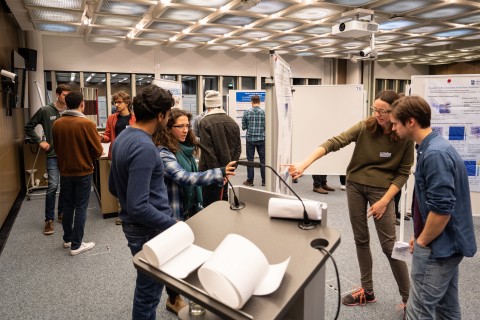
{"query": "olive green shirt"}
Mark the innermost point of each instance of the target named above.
(377, 160)
(45, 116)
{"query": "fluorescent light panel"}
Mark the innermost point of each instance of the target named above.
(59, 16)
(70, 4)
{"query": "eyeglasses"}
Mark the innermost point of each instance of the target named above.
(381, 112)
(182, 126)
(118, 102)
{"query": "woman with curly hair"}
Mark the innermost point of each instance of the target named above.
(178, 147)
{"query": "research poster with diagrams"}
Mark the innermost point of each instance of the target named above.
(455, 105)
(284, 99)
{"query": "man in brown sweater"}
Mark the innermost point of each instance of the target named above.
(77, 145)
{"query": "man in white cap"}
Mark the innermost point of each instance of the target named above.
(220, 138)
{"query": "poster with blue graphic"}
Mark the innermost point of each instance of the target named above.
(455, 104)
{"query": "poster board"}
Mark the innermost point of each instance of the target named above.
(322, 112)
(175, 87)
(455, 104)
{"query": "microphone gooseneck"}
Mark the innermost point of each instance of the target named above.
(236, 205)
(306, 224)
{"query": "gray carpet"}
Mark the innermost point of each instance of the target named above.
(40, 280)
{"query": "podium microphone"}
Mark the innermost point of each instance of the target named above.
(306, 224)
(236, 205)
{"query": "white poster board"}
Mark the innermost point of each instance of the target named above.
(455, 104)
(322, 112)
(283, 108)
(175, 87)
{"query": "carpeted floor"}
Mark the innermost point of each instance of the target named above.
(40, 280)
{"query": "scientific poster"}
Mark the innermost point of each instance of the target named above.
(455, 105)
(284, 98)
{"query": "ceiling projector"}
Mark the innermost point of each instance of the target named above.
(354, 29)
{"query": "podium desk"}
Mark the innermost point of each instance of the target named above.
(301, 292)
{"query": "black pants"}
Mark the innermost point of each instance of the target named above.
(212, 193)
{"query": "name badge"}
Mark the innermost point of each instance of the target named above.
(385, 154)
(53, 117)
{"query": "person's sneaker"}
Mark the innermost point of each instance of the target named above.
(263, 183)
(118, 222)
(248, 183)
(328, 188)
(359, 297)
(397, 222)
(320, 190)
(177, 306)
(60, 217)
(295, 180)
(67, 245)
(48, 228)
(85, 246)
(342, 187)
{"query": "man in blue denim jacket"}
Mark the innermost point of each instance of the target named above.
(442, 212)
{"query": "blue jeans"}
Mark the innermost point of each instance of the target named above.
(147, 290)
(250, 149)
(434, 286)
(53, 179)
(75, 194)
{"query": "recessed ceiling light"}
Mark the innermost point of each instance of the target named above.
(454, 33)
(55, 27)
(351, 3)
(280, 25)
(59, 16)
(124, 8)
(146, 42)
(115, 21)
(71, 4)
(404, 6)
(394, 24)
(103, 39)
(203, 3)
(268, 7)
(444, 12)
(232, 20)
(313, 13)
(218, 47)
(183, 14)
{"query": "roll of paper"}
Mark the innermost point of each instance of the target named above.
(238, 269)
(293, 208)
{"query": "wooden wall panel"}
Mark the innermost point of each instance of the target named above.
(11, 127)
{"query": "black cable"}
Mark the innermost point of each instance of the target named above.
(322, 249)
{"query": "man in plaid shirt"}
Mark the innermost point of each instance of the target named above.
(254, 122)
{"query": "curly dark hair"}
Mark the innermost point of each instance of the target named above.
(152, 101)
(164, 136)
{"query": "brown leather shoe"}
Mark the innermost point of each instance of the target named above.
(177, 306)
(326, 187)
(48, 228)
(320, 190)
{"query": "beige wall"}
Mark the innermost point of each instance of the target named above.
(75, 54)
(11, 127)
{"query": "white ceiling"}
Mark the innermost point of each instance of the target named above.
(411, 31)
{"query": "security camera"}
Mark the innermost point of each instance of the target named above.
(8, 74)
(365, 52)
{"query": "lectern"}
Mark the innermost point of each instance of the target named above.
(301, 293)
